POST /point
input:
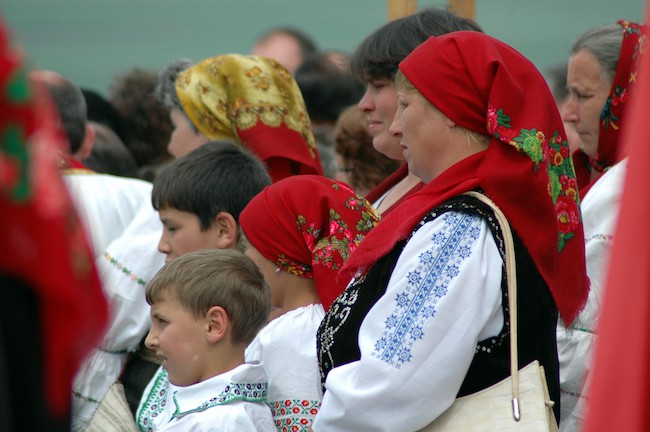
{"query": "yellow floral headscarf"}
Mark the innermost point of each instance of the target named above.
(255, 102)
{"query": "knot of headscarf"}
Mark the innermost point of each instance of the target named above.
(308, 226)
(488, 87)
(254, 102)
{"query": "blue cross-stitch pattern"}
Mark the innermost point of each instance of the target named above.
(426, 284)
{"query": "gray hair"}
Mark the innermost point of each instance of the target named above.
(165, 91)
(604, 42)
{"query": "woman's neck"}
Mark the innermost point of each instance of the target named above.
(396, 193)
(298, 292)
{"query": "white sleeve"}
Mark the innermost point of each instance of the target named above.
(418, 340)
(130, 261)
(576, 342)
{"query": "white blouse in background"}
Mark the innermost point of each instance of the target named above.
(287, 349)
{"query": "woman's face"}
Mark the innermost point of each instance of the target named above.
(588, 92)
(426, 135)
(184, 138)
(379, 102)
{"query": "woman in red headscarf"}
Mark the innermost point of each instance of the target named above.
(424, 320)
(602, 79)
(300, 231)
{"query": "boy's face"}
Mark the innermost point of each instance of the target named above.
(182, 234)
(180, 339)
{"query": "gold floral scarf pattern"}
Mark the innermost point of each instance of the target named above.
(227, 95)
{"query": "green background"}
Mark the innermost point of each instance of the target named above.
(91, 41)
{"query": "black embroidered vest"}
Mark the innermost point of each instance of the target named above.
(337, 341)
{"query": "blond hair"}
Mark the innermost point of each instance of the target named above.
(403, 83)
(217, 277)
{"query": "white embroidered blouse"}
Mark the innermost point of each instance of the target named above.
(418, 341)
(287, 349)
(124, 230)
(234, 401)
(575, 343)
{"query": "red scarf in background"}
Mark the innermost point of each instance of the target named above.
(610, 146)
(486, 86)
(308, 226)
(43, 241)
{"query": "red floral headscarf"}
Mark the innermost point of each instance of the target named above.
(486, 86)
(612, 118)
(308, 226)
(43, 241)
(256, 103)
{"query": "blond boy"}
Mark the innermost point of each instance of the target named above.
(206, 307)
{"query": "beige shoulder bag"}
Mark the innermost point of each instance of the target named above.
(519, 402)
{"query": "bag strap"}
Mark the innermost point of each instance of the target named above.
(511, 279)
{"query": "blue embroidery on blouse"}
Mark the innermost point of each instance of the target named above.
(426, 284)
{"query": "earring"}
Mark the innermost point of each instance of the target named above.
(277, 271)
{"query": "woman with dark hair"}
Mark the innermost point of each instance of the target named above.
(425, 318)
(375, 64)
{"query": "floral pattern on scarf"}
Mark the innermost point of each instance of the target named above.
(553, 157)
(252, 101)
(309, 226)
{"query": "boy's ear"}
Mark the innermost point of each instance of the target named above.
(227, 230)
(87, 145)
(218, 324)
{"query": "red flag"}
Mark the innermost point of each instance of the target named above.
(619, 399)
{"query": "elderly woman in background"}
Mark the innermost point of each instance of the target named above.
(601, 80)
(251, 101)
(424, 320)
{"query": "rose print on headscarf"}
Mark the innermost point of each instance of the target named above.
(309, 226)
(333, 248)
(553, 157)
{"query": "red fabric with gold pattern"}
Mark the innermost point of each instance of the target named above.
(43, 241)
(308, 226)
(486, 86)
(612, 118)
